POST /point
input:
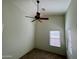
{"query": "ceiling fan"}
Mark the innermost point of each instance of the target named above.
(37, 16)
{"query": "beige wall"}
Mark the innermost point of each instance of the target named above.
(42, 34)
(71, 25)
(18, 32)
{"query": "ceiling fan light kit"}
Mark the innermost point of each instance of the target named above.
(37, 16)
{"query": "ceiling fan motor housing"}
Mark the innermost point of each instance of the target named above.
(37, 15)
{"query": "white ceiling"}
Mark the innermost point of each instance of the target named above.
(52, 7)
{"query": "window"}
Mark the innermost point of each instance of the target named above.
(55, 38)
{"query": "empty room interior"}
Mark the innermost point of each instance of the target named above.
(39, 29)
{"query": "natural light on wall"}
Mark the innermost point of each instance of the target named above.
(69, 42)
(55, 38)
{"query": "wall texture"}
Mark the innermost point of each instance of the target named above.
(42, 34)
(71, 26)
(18, 31)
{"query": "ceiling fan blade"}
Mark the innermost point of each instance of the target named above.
(44, 18)
(33, 20)
(29, 17)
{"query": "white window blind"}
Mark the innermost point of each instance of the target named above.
(55, 38)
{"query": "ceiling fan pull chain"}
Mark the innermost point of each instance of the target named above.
(39, 20)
